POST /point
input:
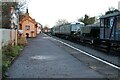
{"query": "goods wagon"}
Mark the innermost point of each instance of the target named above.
(110, 31)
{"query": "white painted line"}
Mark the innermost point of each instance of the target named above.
(45, 34)
(110, 64)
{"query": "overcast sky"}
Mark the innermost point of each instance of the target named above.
(49, 11)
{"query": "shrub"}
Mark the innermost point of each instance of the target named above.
(8, 54)
(22, 41)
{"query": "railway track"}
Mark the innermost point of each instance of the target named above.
(86, 53)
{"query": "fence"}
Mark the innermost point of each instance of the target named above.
(4, 37)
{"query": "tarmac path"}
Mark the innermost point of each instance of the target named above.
(42, 58)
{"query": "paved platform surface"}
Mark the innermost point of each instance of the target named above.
(42, 58)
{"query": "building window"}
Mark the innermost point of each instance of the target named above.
(27, 27)
(20, 27)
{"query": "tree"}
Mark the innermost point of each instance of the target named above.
(46, 27)
(6, 13)
(87, 20)
(91, 20)
(111, 10)
(61, 21)
(22, 5)
(19, 6)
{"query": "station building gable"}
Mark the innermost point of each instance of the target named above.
(29, 26)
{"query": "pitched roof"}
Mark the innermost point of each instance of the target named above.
(21, 17)
(24, 18)
(110, 15)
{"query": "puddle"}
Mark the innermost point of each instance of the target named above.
(40, 57)
(46, 37)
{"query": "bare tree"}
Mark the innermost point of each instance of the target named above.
(61, 21)
(22, 5)
(111, 10)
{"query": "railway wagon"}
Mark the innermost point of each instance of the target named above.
(89, 33)
(52, 30)
(105, 35)
(67, 30)
(55, 30)
(77, 32)
(110, 31)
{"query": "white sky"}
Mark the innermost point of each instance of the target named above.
(49, 11)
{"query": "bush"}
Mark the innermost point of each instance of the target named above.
(5, 65)
(8, 54)
(22, 41)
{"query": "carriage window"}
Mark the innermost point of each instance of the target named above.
(106, 23)
(102, 23)
(27, 27)
(111, 22)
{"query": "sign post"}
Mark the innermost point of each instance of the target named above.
(14, 26)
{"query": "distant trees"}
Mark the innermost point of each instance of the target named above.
(91, 20)
(87, 20)
(61, 21)
(46, 28)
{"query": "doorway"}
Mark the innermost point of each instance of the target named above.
(27, 35)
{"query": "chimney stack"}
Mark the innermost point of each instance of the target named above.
(27, 13)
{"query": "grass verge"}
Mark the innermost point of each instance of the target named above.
(9, 53)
